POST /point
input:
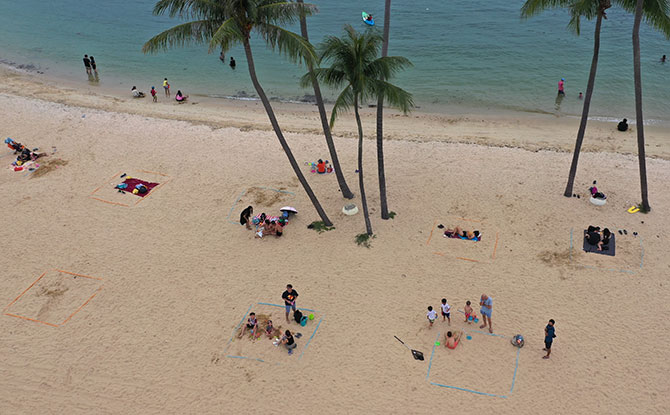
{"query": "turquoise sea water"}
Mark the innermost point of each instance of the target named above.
(466, 53)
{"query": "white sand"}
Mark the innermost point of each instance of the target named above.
(178, 277)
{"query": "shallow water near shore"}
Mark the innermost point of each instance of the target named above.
(465, 54)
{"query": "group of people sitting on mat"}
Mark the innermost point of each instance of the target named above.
(287, 339)
(459, 233)
(264, 225)
(24, 154)
(597, 238)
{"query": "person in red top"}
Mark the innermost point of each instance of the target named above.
(153, 94)
(320, 167)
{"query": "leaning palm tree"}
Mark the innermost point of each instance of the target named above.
(380, 121)
(344, 188)
(578, 9)
(355, 65)
(657, 13)
(224, 23)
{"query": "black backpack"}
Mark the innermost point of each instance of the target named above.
(297, 315)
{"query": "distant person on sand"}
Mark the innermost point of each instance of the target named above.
(87, 64)
(468, 311)
(451, 339)
(431, 316)
(136, 92)
(549, 334)
(288, 341)
(179, 97)
(623, 125)
(446, 311)
(232, 62)
(245, 217)
(252, 324)
(269, 329)
(93, 65)
(486, 303)
(153, 94)
(561, 87)
(289, 297)
(581, 96)
(166, 87)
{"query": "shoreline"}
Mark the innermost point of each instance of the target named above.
(487, 127)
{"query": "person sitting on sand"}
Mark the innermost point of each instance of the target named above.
(451, 339)
(595, 193)
(180, 97)
(288, 341)
(606, 236)
(252, 324)
(136, 92)
(623, 125)
(245, 217)
(27, 155)
(593, 235)
(269, 329)
(14, 146)
(457, 232)
(321, 167)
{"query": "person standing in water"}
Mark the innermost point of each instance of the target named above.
(87, 64)
(166, 87)
(581, 96)
(222, 57)
(93, 65)
(561, 87)
(232, 62)
(663, 59)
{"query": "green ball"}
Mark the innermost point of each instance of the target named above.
(437, 343)
(311, 317)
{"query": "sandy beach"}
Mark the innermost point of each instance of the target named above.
(145, 319)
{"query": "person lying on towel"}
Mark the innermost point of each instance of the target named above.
(457, 232)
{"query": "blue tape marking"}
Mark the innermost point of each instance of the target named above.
(488, 334)
(236, 328)
(516, 366)
(282, 306)
(310, 338)
(278, 191)
(430, 363)
(233, 207)
(468, 390)
(244, 357)
(641, 252)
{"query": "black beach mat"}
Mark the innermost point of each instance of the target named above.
(608, 249)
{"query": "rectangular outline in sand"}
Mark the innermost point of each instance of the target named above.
(625, 271)
(232, 208)
(35, 282)
(168, 179)
(494, 395)
(225, 350)
(495, 246)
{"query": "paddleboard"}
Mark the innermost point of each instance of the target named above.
(366, 21)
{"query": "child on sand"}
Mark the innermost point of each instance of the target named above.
(451, 339)
(431, 316)
(252, 324)
(446, 308)
(468, 311)
(153, 94)
(269, 329)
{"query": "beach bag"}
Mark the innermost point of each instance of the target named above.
(297, 315)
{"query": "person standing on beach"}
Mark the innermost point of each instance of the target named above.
(166, 87)
(486, 303)
(561, 87)
(93, 65)
(289, 297)
(87, 64)
(446, 311)
(153, 94)
(549, 334)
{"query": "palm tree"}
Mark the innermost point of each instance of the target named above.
(225, 23)
(380, 120)
(578, 9)
(344, 188)
(356, 66)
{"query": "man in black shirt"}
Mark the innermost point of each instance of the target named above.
(623, 125)
(289, 297)
(549, 334)
(87, 64)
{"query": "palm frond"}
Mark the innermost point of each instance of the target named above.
(227, 35)
(343, 102)
(189, 9)
(284, 12)
(197, 32)
(535, 7)
(333, 77)
(393, 95)
(294, 46)
(386, 67)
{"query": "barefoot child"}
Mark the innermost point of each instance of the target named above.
(446, 308)
(269, 329)
(468, 311)
(451, 339)
(431, 316)
(252, 324)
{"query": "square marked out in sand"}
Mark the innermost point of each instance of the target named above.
(107, 192)
(262, 349)
(485, 365)
(472, 251)
(629, 256)
(55, 297)
(263, 199)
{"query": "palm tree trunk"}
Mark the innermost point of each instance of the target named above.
(364, 201)
(346, 193)
(380, 121)
(280, 135)
(639, 121)
(587, 105)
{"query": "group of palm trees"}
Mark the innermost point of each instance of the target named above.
(357, 68)
(657, 14)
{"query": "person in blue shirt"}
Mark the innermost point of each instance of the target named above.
(549, 334)
(486, 303)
